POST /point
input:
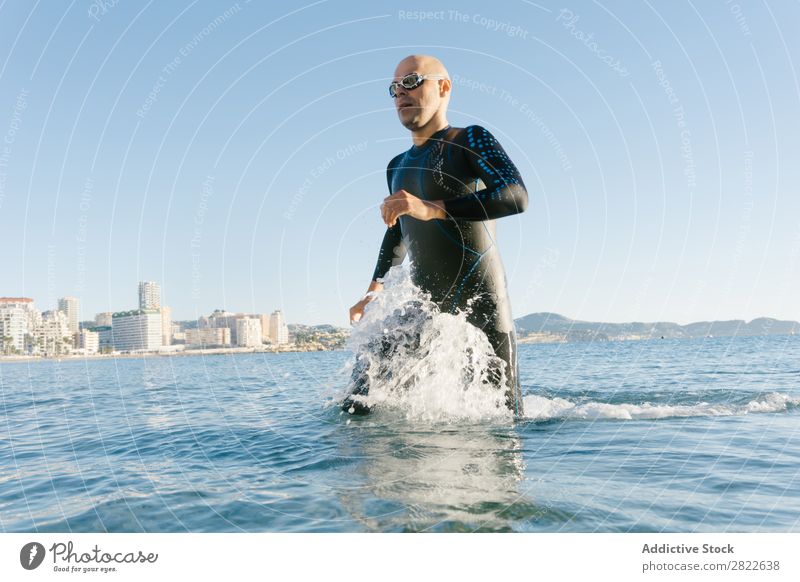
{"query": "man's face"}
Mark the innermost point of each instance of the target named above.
(416, 107)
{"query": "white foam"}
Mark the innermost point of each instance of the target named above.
(541, 408)
(772, 402)
(430, 381)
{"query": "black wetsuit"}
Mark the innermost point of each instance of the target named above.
(456, 260)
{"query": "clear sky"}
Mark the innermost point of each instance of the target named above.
(236, 152)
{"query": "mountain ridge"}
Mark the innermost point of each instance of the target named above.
(554, 324)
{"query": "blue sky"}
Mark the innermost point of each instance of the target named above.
(235, 152)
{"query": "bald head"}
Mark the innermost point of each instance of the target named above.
(424, 64)
(423, 109)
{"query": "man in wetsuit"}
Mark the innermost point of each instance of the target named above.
(446, 192)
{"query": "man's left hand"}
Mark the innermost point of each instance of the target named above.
(403, 202)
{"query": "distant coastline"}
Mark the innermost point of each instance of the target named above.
(534, 328)
(548, 327)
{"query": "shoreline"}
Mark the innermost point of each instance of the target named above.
(114, 356)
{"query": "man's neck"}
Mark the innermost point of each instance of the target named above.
(420, 136)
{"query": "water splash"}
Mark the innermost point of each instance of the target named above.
(432, 366)
(423, 363)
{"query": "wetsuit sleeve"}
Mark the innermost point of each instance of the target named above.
(393, 250)
(504, 193)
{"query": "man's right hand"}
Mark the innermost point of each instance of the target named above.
(403, 202)
(357, 310)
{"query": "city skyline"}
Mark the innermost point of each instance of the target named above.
(80, 316)
(209, 148)
(27, 331)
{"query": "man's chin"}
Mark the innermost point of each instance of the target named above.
(410, 122)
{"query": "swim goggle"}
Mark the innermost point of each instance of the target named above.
(410, 81)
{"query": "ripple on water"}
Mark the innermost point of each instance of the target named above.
(215, 444)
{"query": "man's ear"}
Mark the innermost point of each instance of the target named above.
(445, 87)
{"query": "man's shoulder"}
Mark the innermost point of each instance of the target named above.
(469, 135)
(473, 133)
(395, 161)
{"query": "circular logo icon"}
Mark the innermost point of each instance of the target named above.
(31, 555)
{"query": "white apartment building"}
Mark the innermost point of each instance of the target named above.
(149, 295)
(69, 306)
(13, 327)
(89, 341)
(18, 319)
(166, 326)
(104, 319)
(248, 332)
(264, 318)
(53, 337)
(138, 329)
(278, 330)
(226, 319)
(208, 337)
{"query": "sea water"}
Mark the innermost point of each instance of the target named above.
(660, 435)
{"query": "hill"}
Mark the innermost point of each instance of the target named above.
(554, 326)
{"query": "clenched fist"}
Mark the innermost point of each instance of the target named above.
(403, 202)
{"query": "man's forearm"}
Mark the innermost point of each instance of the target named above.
(489, 204)
(391, 253)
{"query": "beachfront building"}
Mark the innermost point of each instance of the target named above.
(136, 330)
(248, 332)
(104, 319)
(69, 306)
(105, 337)
(149, 295)
(208, 337)
(227, 319)
(89, 341)
(166, 326)
(278, 330)
(19, 321)
(13, 327)
(264, 318)
(52, 337)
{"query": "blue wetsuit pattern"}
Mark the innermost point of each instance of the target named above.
(456, 260)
